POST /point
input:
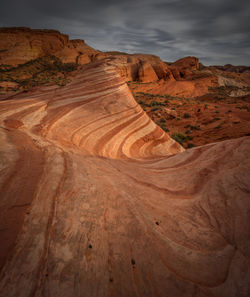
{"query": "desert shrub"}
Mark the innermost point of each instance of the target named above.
(168, 97)
(165, 128)
(37, 72)
(153, 103)
(193, 127)
(180, 138)
(163, 125)
(68, 67)
(190, 145)
(186, 115)
(155, 108)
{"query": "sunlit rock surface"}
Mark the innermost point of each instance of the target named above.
(20, 45)
(96, 200)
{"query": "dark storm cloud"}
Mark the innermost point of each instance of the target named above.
(216, 31)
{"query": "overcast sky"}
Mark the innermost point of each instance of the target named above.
(216, 31)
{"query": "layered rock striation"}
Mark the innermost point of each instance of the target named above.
(96, 200)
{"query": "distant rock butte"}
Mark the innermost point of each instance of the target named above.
(182, 68)
(20, 45)
(232, 68)
(185, 77)
(96, 200)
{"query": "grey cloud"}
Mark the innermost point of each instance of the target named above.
(217, 31)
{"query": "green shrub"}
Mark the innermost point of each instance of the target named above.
(190, 145)
(193, 127)
(165, 128)
(68, 67)
(180, 138)
(155, 108)
(162, 125)
(153, 103)
(186, 115)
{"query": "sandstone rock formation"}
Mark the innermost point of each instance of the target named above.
(190, 63)
(183, 68)
(141, 68)
(183, 78)
(19, 45)
(96, 200)
(232, 68)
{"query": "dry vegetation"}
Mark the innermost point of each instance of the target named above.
(200, 120)
(44, 70)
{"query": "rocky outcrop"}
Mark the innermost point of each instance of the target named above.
(190, 63)
(232, 68)
(77, 51)
(96, 200)
(146, 72)
(141, 68)
(20, 45)
(229, 82)
(183, 68)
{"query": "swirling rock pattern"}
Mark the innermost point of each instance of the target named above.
(96, 200)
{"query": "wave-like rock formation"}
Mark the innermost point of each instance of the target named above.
(96, 200)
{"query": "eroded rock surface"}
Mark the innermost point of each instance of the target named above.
(20, 45)
(96, 200)
(141, 68)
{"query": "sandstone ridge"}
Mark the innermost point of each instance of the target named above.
(97, 200)
(19, 45)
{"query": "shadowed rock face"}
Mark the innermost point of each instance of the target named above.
(232, 68)
(96, 200)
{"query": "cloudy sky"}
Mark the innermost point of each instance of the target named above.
(216, 31)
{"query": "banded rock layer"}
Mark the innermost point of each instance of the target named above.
(96, 200)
